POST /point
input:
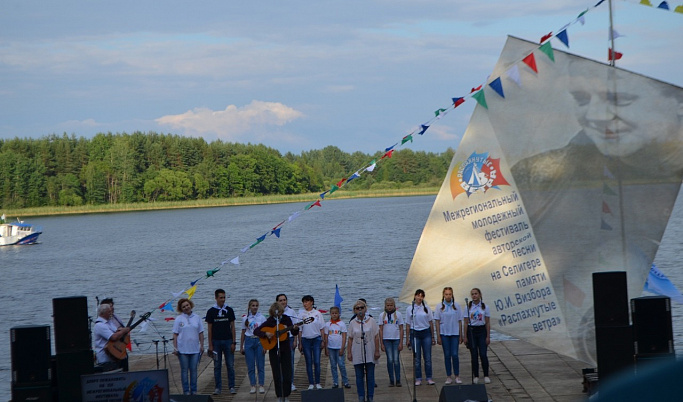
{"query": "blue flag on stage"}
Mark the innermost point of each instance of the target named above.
(659, 284)
(337, 297)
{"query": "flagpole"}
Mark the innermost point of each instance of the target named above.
(612, 52)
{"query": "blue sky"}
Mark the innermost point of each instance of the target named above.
(294, 75)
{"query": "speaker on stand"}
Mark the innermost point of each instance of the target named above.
(462, 393)
(652, 330)
(31, 367)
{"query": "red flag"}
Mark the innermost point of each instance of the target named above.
(605, 208)
(530, 61)
(388, 154)
(617, 55)
(546, 37)
(339, 184)
(129, 346)
(476, 89)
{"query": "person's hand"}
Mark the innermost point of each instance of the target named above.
(242, 350)
(270, 335)
(376, 354)
(175, 352)
(382, 346)
(438, 340)
(400, 347)
(341, 352)
(488, 340)
(350, 356)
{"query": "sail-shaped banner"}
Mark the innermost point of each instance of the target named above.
(575, 171)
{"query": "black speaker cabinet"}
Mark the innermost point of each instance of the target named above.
(610, 299)
(652, 326)
(72, 331)
(461, 393)
(323, 395)
(30, 355)
(191, 398)
(42, 393)
(70, 367)
(615, 351)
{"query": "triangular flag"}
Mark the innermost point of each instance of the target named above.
(315, 204)
(235, 261)
(604, 225)
(406, 139)
(530, 61)
(646, 3)
(663, 5)
(605, 208)
(340, 182)
(475, 89)
(424, 128)
(607, 190)
(166, 306)
(177, 295)
(354, 176)
(371, 167)
(546, 37)
(245, 248)
(456, 102)
(548, 50)
(390, 148)
(293, 216)
(194, 282)
(679, 9)
(322, 195)
(513, 74)
(607, 173)
(658, 283)
(615, 35)
(256, 243)
(190, 291)
(497, 86)
(617, 55)
(167, 319)
(598, 3)
(129, 346)
(438, 112)
(262, 238)
(562, 36)
(388, 154)
(276, 232)
(334, 188)
(481, 99)
(212, 272)
(337, 297)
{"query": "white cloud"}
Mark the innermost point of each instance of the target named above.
(234, 122)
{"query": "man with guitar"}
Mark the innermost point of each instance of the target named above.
(107, 330)
(274, 334)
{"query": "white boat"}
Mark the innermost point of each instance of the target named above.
(18, 233)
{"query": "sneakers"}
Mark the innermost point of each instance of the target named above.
(335, 385)
(318, 386)
(458, 380)
(476, 380)
(398, 384)
(252, 390)
(347, 385)
(233, 391)
(293, 387)
(418, 382)
(261, 390)
(391, 384)
(487, 380)
(310, 387)
(448, 380)
(430, 381)
(217, 391)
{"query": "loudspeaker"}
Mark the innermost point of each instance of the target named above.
(323, 395)
(610, 299)
(652, 326)
(70, 368)
(461, 393)
(191, 398)
(30, 355)
(72, 331)
(41, 393)
(615, 351)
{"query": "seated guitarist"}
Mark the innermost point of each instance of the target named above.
(108, 329)
(281, 355)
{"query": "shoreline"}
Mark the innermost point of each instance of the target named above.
(211, 203)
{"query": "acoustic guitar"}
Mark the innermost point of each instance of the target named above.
(279, 332)
(118, 349)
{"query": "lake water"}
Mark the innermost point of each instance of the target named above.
(141, 258)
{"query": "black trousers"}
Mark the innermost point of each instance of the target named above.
(282, 368)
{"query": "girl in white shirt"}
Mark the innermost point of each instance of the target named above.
(448, 318)
(419, 319)
(251, 348)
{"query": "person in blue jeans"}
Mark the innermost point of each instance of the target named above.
(311, 335)
(251, 346)
(188, 344)
(362, 349)
(335, 339)
(419, 330)
(222, 341)
(448, 318)
(391, 335)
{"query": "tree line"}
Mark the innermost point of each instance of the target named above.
(146, 167)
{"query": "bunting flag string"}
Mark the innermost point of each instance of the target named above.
(476, 93)
(664, 5)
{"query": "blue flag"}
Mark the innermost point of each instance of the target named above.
(337, 297)
(659, 284)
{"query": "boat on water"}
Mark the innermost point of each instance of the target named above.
(18, 233)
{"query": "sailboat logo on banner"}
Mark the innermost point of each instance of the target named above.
(478, 173)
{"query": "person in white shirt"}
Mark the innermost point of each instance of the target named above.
(448, 318)
(478, 330)
(391, 335)
(188, 343)
(363, 349)
(106, 329)
(251, 348)
(419, 319)
(335, 339)
(311, 340)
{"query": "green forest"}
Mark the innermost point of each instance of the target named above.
(147, 167)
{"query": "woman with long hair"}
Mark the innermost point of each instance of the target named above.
(251, 346)
(478, 330)
(448, 318)
(419, 334)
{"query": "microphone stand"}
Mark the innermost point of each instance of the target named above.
(156, 346)
(412, 343)
(279, 358)
(164, 341)
(365, 361)
(470, 338)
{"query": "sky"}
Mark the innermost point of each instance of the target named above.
(293, 75)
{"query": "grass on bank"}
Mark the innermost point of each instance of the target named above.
(214, 202)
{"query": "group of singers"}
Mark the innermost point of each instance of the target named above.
(284, 330)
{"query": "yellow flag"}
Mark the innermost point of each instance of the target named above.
(190, 291)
